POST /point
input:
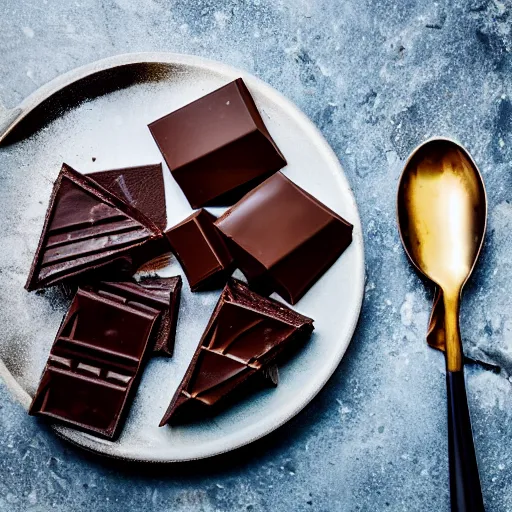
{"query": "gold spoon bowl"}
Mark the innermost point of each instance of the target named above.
(442, 212)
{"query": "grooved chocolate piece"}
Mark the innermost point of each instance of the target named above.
(160, 293)
(244, 337)
(201, 250)
(282, 238)
(141, 187)
(217, 147)
(86, 228)
(96, 360)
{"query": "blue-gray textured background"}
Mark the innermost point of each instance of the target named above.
(377, 78)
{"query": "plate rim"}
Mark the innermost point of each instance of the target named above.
(66, 79)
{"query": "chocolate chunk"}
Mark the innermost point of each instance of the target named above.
(282, 238)
(96, 360)
(86, 228)
(201, 250)
(141, 187)
(245, 336)
(217, 147)
(162, 294)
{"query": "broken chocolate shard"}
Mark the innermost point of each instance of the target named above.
(201, 251)
(159, 293)
(86, 228)
(217, 147)
(245, 336)
(96, 361)
(169, 292)
(141, 187)
(282, 238)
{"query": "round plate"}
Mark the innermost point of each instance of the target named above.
(110, 131)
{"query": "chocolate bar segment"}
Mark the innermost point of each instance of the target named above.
(217, 147)
(141, 187)
(282, 238)
(95, 362)
(201, 250)
(159, 293)
(86, 228)
(244, 338)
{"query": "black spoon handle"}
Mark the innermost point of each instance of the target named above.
(466, 494)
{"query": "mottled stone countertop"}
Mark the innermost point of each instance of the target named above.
(377, 78)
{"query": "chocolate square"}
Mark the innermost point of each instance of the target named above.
(282, 238)
(217, 147)
(201, 250)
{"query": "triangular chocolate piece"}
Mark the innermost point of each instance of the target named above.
(141, 187)
(243, 339)
(160, 293)
(86, 228)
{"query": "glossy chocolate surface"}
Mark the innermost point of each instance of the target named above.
(86, 228)
(159, 293)
(243, 339)
(282, 238)
(141, 187)
(96, 360)
(217, 147)
(201, 250)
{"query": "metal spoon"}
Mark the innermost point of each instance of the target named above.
(442, 215)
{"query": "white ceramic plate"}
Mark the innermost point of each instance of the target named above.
(112, 128)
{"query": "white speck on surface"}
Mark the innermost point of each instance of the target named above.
(370, 286)
(324, 69)
(406, 309)
(221, 19)
(28, 32)
(32, 497)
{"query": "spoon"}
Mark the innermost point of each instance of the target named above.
(442, 215)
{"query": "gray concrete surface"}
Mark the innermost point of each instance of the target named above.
(377, 78)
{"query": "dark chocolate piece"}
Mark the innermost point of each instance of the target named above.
(201, 250)
(141, 187)
(217, 147)
(86, 228)
(245, 336)
(95, 362)
(282, 238)
(160, 293)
